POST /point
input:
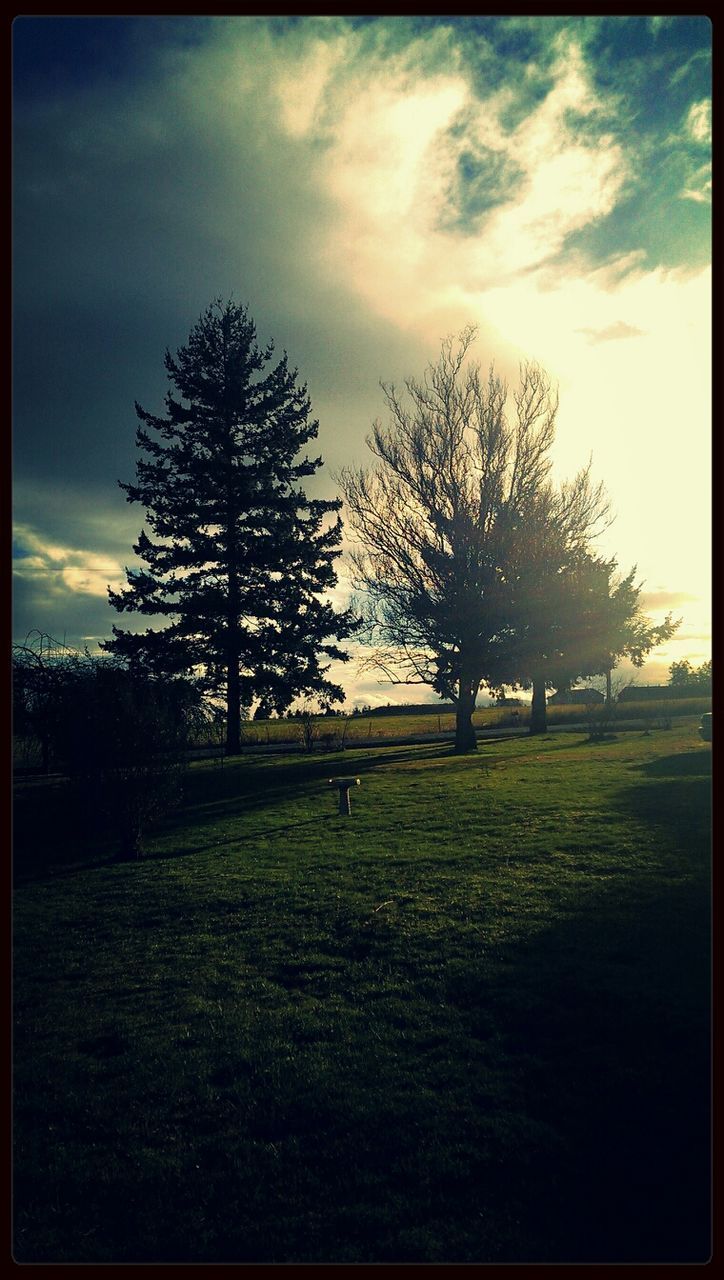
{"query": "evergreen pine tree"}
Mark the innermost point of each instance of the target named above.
(239, 558)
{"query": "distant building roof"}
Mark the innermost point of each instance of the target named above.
(659, 692)
(575, 697)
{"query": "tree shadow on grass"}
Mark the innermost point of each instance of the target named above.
(676, 797)
(54, 831)
(683, 764)
(605, 1022)
(54, 834)
(160, 855)
(583, 1130)
(258, 789)
(624, 1078)
(615, 1016)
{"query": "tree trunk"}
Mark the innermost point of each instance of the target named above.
(609, 698)
(538, 723)
(465, 739)
(131, 838)
(233, 709)
(233, 682)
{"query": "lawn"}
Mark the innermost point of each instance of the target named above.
(469, 1023)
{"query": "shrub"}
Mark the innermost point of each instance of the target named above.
(124, 743)
(120, 735)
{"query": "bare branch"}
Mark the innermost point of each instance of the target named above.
(460, 533)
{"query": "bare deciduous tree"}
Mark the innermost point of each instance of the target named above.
(448, 515)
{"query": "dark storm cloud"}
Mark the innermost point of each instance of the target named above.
(91, 515)
(132, 211)
(147, 182)
(55, 55)
(76, 618)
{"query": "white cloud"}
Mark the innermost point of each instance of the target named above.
(612, 332)
(571, 181)
(302, 83)
(63, 568)
(392, 136)
(698, 121)
(699, 188)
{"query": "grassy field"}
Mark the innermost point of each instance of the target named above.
(368, 728)
(331, 732)
(470, 1023)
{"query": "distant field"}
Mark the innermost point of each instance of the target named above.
(331, 732)
(470, 1023)
(367, 728)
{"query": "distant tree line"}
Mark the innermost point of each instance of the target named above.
(411, 709)
(685, 681)
(683, 676)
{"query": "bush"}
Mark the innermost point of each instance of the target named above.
(600, 718)
(121, 736)
(124, 743)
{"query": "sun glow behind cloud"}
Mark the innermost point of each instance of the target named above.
(628, 344)
(393, 139)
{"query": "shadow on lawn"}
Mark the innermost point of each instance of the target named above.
(624, 1078)
(160, 855)
(606, 1018)
(53, 834)
(250, 786)
(684, 764)
(680, 800)
(252, 789)
(602, 1027)
(624, 1082)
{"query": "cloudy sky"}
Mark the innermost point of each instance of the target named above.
(366, 186)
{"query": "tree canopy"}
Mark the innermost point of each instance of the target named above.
(577, 617)
(683, 676)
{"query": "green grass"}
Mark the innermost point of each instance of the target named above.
(468, 1024)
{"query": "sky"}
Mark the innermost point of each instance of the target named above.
(366, 186)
